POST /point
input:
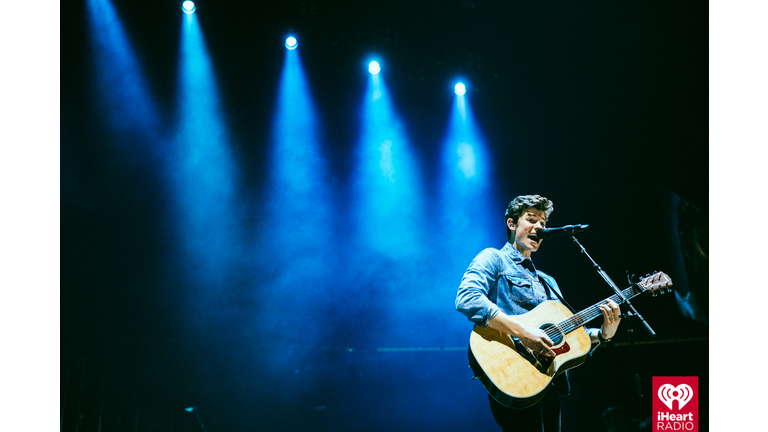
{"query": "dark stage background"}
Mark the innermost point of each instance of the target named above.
(601, 106)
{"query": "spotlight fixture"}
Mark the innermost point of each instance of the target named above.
(374, 68)
(188, 7)
(291, 43)
(460, 89)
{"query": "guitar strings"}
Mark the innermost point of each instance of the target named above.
(579, 319)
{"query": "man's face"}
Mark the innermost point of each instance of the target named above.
(530, 222)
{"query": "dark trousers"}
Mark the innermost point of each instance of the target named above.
(542, 417)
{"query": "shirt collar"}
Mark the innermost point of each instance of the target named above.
(518, 257)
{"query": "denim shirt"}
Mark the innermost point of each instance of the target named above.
(504, 280)
(501, 280)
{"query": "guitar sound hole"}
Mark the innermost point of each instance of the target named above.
(554, 333)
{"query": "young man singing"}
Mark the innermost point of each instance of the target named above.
(500, 284)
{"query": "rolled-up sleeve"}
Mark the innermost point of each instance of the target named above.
(473, 297)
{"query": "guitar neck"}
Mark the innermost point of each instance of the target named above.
(580, 318)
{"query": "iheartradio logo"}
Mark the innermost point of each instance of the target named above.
(669, 393)
(680, 416)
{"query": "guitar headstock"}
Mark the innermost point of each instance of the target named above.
(656, 283)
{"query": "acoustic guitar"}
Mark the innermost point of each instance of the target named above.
(513, 374)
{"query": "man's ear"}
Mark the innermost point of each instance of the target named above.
(510, 224)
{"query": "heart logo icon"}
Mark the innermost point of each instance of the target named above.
(682, 393)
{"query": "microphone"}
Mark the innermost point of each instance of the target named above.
(566, 230)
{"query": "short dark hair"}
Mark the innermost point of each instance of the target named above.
(519, 205)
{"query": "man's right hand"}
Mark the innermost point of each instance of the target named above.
(537, 341)
(533, 338)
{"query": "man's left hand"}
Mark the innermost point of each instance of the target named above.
(611, 318)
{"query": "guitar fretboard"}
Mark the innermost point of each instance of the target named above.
(580, 318)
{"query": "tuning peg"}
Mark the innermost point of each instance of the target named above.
(661, 292)
(630, 279)
(669, 289)
(654, 294)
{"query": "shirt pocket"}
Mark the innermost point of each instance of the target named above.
(520, 288)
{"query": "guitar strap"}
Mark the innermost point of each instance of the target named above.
(498, 276)
(551, 290)
(561, 383)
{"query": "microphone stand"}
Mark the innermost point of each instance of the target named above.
(200, 422)
(610, 283)
(631, 315)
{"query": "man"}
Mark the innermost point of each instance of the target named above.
(500, 284)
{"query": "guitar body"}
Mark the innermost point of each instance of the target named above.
(509, 372)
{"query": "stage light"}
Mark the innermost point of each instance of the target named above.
(291, 43)
(460, 89)
(188, 7)
(387, 176)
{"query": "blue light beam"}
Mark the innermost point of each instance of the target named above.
(464, 149)
(390, 199)
(298, 188)
(295, 237)
(466, 193)
(203, 174)
(122, 91)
